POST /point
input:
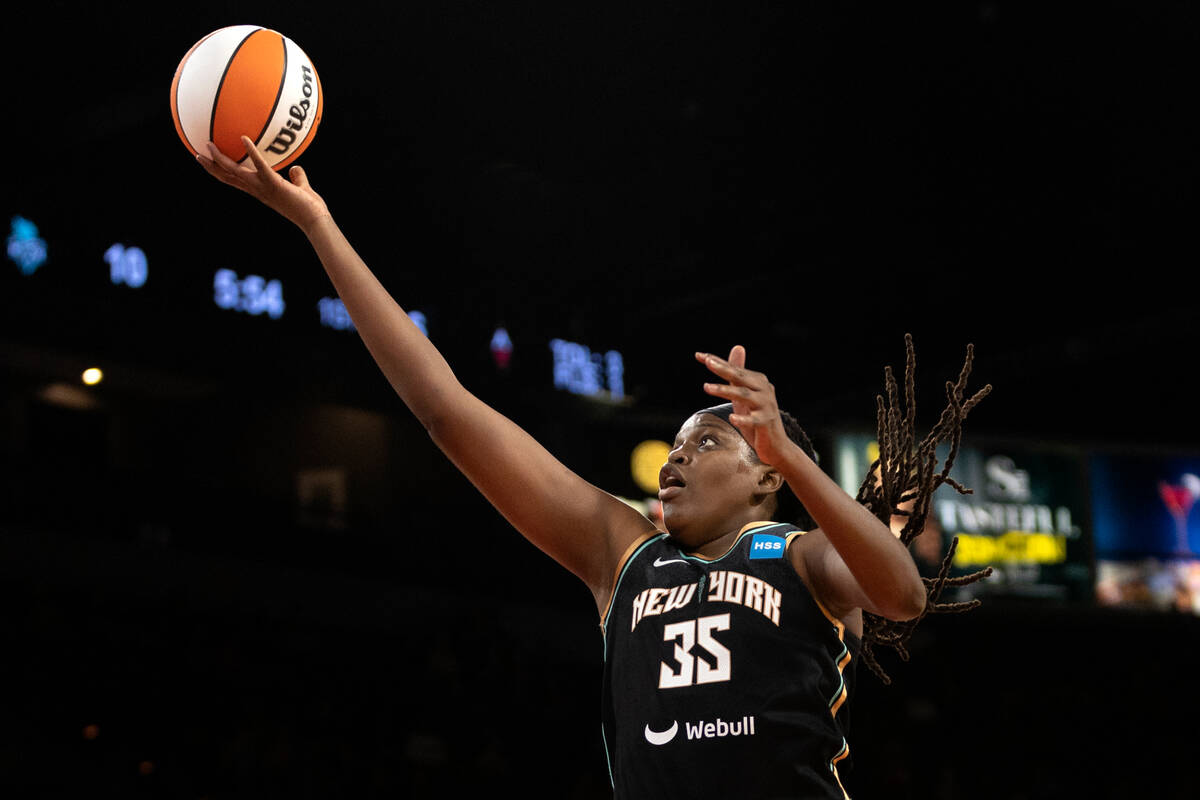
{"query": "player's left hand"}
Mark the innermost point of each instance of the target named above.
(755, 409)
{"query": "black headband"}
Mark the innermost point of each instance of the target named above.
(723, 411)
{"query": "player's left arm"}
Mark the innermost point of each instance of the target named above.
(852, 560)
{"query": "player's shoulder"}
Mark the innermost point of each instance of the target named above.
(643, 542)
(805, 548)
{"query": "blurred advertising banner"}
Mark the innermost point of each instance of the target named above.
(1026, 518)
(1147, 528)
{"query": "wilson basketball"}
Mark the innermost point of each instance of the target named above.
(252, 81)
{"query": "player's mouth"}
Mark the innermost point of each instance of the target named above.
(670, 482)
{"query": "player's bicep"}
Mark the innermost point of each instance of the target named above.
(577, 524)
(829, 579)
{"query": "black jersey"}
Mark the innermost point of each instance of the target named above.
(723, 678)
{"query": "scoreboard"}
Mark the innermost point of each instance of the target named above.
(234, 381)
(228, 305)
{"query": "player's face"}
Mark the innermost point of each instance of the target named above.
(710, 483)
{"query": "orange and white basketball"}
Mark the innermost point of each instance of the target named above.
(252, 81)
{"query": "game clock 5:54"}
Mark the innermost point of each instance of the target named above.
(252, 294)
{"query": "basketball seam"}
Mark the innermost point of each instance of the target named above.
(212, 121)
(283, 75)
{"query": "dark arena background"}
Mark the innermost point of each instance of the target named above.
(236, 567)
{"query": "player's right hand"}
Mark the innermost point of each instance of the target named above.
(294, 198)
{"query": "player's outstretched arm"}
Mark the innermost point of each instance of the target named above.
(583, 528)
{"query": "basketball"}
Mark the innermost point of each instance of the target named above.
(252, 81)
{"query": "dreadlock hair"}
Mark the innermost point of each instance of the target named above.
(901, 483)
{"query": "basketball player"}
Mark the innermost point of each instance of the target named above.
(729, 640)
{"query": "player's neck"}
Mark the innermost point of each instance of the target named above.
(719, 545)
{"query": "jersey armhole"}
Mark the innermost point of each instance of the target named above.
(620, 567)
(791, 536)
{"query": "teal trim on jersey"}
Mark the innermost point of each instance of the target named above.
(833, 764)
(613, 604)
(616, 586)
(840, 688)
(736, 542)
(608, 759)
(841, 676)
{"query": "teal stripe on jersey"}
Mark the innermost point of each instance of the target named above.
(624, 568)
(841, 675)
(733, 546)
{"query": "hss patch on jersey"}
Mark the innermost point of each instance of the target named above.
(764, 545)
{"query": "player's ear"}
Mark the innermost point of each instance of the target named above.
(771, 480)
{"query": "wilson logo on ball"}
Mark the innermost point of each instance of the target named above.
(245, 80)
